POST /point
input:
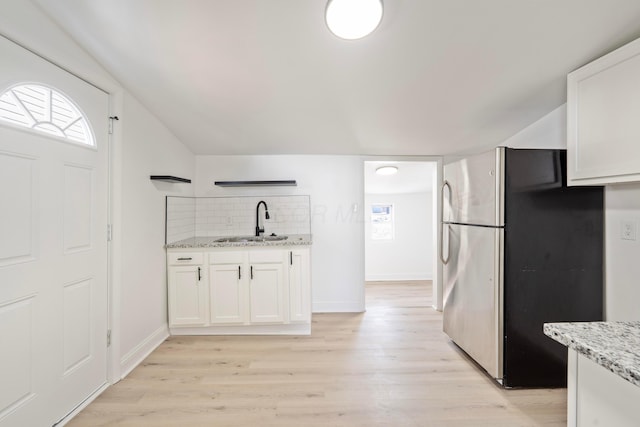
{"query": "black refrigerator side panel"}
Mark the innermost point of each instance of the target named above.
(553, 260)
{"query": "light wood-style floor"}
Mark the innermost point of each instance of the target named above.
(390, 366)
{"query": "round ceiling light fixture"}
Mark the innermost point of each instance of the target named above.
(353, 19)
(386, 170)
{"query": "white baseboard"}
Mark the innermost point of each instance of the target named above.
(397, 277)
(286, 329)
(338, 307)
(134, 357)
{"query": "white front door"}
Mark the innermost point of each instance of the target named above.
(53, 247)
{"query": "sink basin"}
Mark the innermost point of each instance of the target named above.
(246, 239)
(274, 238)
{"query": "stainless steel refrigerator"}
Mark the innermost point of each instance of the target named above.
(519, 249)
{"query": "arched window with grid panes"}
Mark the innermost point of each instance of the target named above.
(44, 109)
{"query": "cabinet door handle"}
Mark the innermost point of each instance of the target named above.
(239, 273)
(290, 257)
(199, 275)
(252, 272)
(185, 259)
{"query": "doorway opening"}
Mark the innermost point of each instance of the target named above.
(400, 232)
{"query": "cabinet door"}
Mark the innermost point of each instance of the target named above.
(187, 296)
(299, 286)
(602, 119)
(266, 290)
(227, 287)
(601, 397)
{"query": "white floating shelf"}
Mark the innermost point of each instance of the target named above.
(276, 183)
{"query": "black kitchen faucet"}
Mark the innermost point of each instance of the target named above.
(266, 216)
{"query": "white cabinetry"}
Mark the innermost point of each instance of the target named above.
(299, 286)
(262, 290)
(603, 129)
(247, 286)
(227, 287)
(266, 290)
(187, 289)
(598, 397)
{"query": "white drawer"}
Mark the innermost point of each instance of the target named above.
(185, 258)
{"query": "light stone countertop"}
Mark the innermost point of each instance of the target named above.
(210, 242)
(612, 345)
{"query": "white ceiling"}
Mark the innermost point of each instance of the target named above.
(266, 77)
(412, 177)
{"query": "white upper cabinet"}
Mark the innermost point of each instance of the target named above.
(603, 119)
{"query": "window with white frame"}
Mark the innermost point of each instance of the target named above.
(46, 110)
(382, 221)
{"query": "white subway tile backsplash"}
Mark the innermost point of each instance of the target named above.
(226, 216)
(180, 220)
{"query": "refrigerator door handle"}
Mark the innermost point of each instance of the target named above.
(442, 225)
(442, 258)
(446, 184)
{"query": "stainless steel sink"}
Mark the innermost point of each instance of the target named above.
(275, 238)
(246, 239)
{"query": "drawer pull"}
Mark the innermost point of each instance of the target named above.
(185, 259)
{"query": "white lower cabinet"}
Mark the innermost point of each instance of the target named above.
(266, 287)
(227, 288)
(246, 287)
(246, 291)
(299, 286)
(187, 290)
(598, 397)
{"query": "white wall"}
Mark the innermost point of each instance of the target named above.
(548, 132)
(140, 146)
(24, 23)
(148, 149)
(335, 185)
(623, 256)
(409, 256)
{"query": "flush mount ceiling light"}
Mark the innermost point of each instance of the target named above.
(386, 170)
(353, 19)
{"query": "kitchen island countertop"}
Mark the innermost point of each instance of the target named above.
(210, 242)
(612, 345)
